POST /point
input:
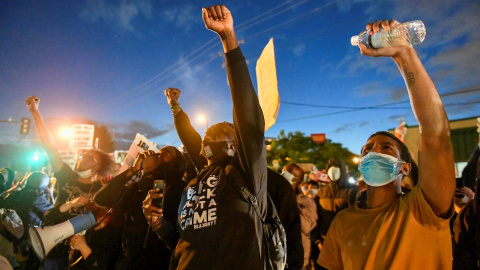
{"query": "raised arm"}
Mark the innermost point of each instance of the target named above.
(247, 114)
(190, 138)
(435, 152)
(46, 138)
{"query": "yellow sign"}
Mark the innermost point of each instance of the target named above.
(267, 85)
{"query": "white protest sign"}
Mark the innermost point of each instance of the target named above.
(140, 144)
(82, 137)
(267, 85)
(120, 155)
(68, 156)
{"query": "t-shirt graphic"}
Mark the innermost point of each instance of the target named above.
(200, 211)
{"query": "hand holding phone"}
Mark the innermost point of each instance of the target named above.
(159, 184)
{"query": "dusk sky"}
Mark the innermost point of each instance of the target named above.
(110, 61)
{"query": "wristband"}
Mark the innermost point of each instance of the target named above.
(156, 223)
(176, 110)
(134, 172)
(175, 107)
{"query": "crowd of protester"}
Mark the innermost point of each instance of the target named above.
(400, 216)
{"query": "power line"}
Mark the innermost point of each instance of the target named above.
(380, 106)
(184, 61)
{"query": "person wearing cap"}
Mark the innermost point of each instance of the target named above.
(391, 230)
(125, 194)
(30, 203)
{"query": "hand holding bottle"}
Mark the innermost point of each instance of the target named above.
(388, 37)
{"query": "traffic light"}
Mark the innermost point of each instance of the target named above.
(25, 126)
(37, 160)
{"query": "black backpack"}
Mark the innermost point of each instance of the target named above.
(274, 234)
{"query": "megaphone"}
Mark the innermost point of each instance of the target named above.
(44, 239)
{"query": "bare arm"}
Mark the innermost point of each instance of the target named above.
(219, 19)
(435, 152)
(43, 133)
(190, 138)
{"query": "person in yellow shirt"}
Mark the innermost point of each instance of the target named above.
(390, 230)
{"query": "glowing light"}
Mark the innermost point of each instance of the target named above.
(356, 160)
(201, 119)
(66, 132)
(352, 180)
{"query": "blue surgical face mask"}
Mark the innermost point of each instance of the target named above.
(379, 169)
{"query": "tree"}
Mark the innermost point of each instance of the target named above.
(105, 139)
(298, 148)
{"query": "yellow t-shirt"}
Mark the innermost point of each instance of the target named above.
(404, 234)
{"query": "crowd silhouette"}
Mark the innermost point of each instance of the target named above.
(204, 222)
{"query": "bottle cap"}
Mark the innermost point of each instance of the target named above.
(354, 41)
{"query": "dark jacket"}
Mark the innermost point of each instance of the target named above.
(285, 201)
(29, 205)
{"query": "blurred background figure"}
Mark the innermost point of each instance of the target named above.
(306, 205)
(466, 229)
(332, 198)
(7, 175)
(310, 189)
(11, 229)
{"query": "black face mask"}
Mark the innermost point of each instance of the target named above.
(215, 150)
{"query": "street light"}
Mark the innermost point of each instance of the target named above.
(202, 119)
(65, 133)
(356, 160)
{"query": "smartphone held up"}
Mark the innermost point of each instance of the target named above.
(160, 185)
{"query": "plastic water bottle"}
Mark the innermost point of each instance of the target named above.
(412, 32)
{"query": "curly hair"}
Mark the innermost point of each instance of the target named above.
(105, 161)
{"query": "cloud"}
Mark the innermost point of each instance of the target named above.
(372, 88)
(399, 94)
(299, 49)
(459, 63)
(461, 110)
(118, 15)
(183, 17)
(396, 117)
(344, 128)
(350, 126)
(129, 130)
(363, 123)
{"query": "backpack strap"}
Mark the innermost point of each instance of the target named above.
(249, 197)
